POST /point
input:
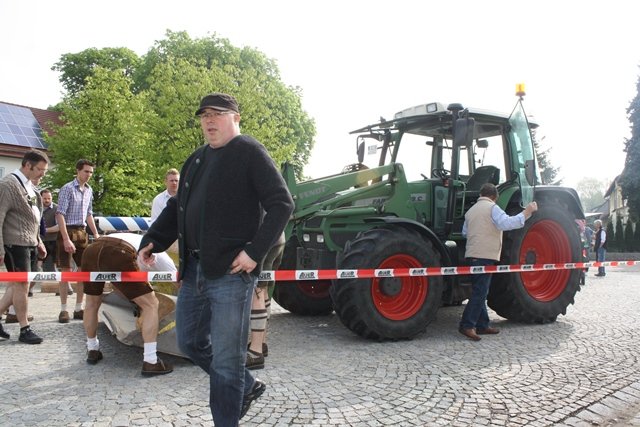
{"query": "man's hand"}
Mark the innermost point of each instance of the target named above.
(530, 209)
(42, 250)
(243, 262)
(145, 255)
(69, 247)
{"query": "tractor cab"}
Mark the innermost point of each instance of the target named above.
(448, 153)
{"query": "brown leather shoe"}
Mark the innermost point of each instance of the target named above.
(158, 368)
(12, 318)
(488, 331)
(63, 317)
(470, 333)
(78, 315)
(94, 356)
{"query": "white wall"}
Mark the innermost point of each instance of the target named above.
(8, 165)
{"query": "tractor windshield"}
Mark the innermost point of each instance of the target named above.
(522, 153)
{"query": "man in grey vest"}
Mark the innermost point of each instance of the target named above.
(483, 227)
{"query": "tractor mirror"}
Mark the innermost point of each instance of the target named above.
(361, 152)
(529, 171)
(463, 132)
(482, 143)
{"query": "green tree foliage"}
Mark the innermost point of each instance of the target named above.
(107, 124)
(591, 191)
(168, 82)
(75, 68)
(271, 111)
(611, 240)
(619, 238)
(628, 236)
(630, 178)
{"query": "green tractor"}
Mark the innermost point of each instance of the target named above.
(402, 205)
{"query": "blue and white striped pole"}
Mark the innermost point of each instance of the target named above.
(123, 223)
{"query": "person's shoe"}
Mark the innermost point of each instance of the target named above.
(12, 318)
(254, 360)
(470, 333)
(256, 391)
(158, 368)
(4, 334)
(63, 317)
(94, 356)
(78, 315)
(30, 294)
(488, 331)
(27, 336)
(265, 349)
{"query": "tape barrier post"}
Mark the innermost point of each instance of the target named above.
(303, 275)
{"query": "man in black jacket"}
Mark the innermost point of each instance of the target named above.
(217, 217)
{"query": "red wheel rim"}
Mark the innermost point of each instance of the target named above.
(545, 243)
(410, 296)
(316, 289)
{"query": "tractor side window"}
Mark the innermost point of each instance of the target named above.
(415, 156)
(492, 155)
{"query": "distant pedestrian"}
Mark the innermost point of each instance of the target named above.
(171, 182)
(50, 237)
(74, 213)
(588, 235)
(600, 246)
(20, 213)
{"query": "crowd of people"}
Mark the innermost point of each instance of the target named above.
(221, 310)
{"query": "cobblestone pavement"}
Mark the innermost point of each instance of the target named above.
(579, 371)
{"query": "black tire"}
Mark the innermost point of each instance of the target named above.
(549, 236)
(302, 297)
(387, 308)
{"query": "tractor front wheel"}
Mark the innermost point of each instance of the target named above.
(302, 297)
(387, 307)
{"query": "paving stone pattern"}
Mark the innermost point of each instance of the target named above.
(579, 371)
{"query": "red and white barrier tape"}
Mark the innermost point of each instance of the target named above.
(281, 275)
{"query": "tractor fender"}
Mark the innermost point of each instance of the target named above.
(510, 199)
(426, 232)
(568, 197)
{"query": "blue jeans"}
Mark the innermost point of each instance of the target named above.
(475, 313)
(600, 255)
(212, 328)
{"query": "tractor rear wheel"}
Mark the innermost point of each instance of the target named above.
(550, 236)
(387, 307)
(303, 297)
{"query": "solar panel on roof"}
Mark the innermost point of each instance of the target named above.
(18, 126)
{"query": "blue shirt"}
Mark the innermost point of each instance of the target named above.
(501, 220)
(74, 203)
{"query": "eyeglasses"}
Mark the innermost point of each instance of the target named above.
(215, 114)
(39, 169)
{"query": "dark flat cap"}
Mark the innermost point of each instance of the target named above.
(218, 101)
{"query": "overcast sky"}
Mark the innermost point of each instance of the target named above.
(358, 60)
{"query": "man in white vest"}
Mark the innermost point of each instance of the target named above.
(483, 227)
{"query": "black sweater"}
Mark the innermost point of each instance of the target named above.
(246, 182)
